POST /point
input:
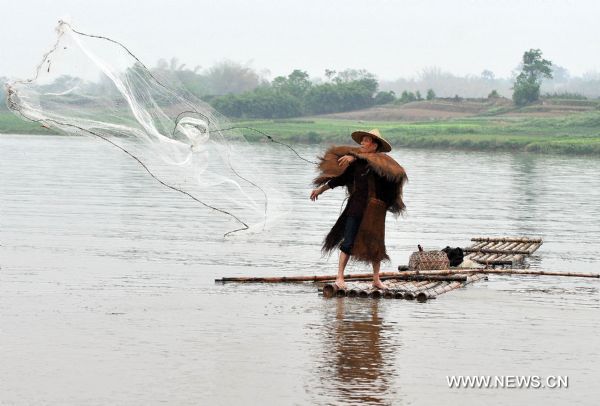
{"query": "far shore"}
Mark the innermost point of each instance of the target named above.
(566, 129)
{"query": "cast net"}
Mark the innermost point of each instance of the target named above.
(94, 86)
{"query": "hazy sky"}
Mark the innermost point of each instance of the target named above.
(389, 38)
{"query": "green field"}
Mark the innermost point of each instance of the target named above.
(571, 134)
(11, 124)
(575, 134)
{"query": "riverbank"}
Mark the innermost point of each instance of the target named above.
(10, 123)
(577, 133)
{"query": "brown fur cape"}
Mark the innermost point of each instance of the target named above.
(369, 245)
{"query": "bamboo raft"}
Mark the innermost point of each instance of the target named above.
(501, 250)
(421, 290)
(426, 284)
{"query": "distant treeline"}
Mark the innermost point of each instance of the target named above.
(447, 84)
(240, 91)
(295, 95)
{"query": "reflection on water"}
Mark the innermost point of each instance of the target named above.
(107, 293)
(357, 365)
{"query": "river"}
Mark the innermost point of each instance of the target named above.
(107, 292)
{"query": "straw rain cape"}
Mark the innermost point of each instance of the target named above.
(369, 245)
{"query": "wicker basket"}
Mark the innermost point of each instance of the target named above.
(423, 260)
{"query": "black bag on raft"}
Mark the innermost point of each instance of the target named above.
(455, 255)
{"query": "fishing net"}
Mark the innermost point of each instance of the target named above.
(94, 86)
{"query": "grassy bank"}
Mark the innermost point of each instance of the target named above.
(11, 124)
(573, 134)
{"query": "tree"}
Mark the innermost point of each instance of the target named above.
(351, 75)
(338, 96)
(488, 75)
(430, 94)
(407, 97)
(329, 74)
(295, 95)
(231, 77)
(418, 96)
(296, 83)
(385, 97)
(262, 102)
(527, 85)
(493, 95)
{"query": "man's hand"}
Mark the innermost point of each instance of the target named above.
(346, 160)
(314, 195)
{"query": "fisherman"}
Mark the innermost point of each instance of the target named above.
(374, 182)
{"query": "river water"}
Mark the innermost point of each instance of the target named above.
(107, 292)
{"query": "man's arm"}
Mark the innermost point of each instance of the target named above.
(314, 195)
(341, 180)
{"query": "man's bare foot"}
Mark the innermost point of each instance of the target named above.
(379, 285)
(341, 284)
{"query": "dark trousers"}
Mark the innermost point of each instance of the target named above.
(350, 231)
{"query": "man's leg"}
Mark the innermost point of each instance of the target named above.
(376, 281)
(341, 268)
(350, 230)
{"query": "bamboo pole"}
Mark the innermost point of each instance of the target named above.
(479, 244)
(370, 292)
(363, 293)
(331, 290)
(352, 292)
(498, 247)
(388, 294)
(495, 245)
(438, 271)
(505, 245)
(503, 260)
(506, 239)
(431, 278)
(495, 257)
(397, 289)
(398, 284)
(392, 276)
(512, 245)
(498, 251)
(539, 273)
(508, 271)
(473, 257)
(307, 278)
(375, 293)
(409, 289)
(434, 293)
(411, 295)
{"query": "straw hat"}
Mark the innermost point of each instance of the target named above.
(374, 133)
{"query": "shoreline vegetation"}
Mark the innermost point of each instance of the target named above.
(570, 127)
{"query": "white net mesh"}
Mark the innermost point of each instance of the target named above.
(94, 86)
